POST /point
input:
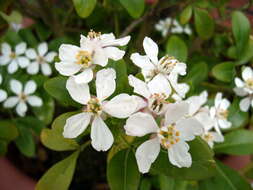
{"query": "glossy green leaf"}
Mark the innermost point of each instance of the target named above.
(53, 138)
(176, 47)
(204, 23)
(84, 7)
(186, 15)
(241, 31)
(122, 171)
(239, 142)
(60, 175)
(226, 178)
(8, 130)
(247, 54)
(203, 165)
(56, 87)
(224, 71)
(134, 7)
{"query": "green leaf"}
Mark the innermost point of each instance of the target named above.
(56, 87)
(241, 31)
(122, 171)
(60, 175)
(27, 36)
(84, 7)
(3, 147)
(53, 138)
(177, 48)
(224, 71)
(203, 165)
(8, 130)
(236, 116)
(134, 7)
(168, 183)
(204, 23)
(145, 184)
(186, 15)
(247, 54)
(239, 142)
(14, 17)
(25, 141)
(226, 178)
(42, 31)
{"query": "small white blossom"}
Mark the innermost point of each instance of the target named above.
(173, 25)
(22, 97)
(212, 137)
(40, 59)
(3, 94)
(245, 88)
(166, 69)
(177, 128)
(120, 106)
(15, 58)
(219, 113)
(95, 49)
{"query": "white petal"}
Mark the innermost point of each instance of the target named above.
(159, 84)
(76, 124)
(42, 48)
(50, 56)
(151, 49)
(100, 57)
(105, 38)
(3, 95)
(16, 86)
(31, 54)
(12, 67)
(67, 68)
(247, 73)
(140, 124)
(179, 155)
(115, 42)
(23, 62)
(239, 83)
(205, 119)
(240, 91)
(79, 92)
(180, 68)
(11, 102)
(34, 101)
(114, 53)
(1, 79)
(105, 83)
(245, 103)
(33, 68)
(101, 136)
(224, 124)
(217, 137)
(67, 53)
(189, 128)
(146, 154)
(20, 48)
(176, 111)
(142, 61)
(121, 106)
(180, 88)
(6, 49)
(84, 77)
(21, 108)
(218, 99)
(139, 86)
(224, 104)
(4, 59)
(195, 102)
(46, 69)
(30, 87)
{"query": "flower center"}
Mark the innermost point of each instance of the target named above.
(40, 59)
(167, 64)
(207, 137)
(92, 34)
(222, 114)
(168, 136)
(22, 96)
(249, 83)
(94, 106)
(13, 55)
(83, 58)
(156, 102)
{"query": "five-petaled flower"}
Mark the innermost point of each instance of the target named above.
(120, 106)
(3, 94)
(95, 49)
(176, 129)
(245, 88)
(22, 96)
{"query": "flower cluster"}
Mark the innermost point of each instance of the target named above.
(160, 96)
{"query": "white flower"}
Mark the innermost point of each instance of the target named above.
(167, 67)
(23, 96)
(211, 137)
(219, 113)
(3, 94)
(120, 106)
(172, 135)
(245, 88)
(40, 58)
(167, 24)
(15, 58)
(95, 49)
